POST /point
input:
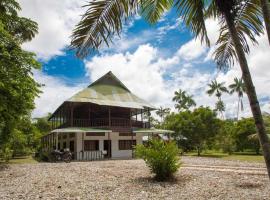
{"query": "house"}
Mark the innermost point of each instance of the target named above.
(104, 120)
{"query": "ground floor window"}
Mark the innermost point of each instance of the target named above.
(126, 144)
(91, 145)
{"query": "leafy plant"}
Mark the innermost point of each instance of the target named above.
(6, 153)
(161, 157)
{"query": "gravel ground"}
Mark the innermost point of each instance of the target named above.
(198, 178)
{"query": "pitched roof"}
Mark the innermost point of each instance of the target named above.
(110, 91)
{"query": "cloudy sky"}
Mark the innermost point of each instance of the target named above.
(153, 61)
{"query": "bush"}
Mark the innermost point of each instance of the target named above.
(161, 157)
(6, 154)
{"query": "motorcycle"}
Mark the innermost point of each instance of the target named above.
(64, 155)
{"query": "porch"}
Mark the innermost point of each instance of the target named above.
(92, 144)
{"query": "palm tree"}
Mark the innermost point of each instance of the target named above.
(217, 89)
(238, 87)
(183, 100)
(162, 112)
(239, 19)
(220, 107)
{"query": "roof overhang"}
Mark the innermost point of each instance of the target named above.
(152, 130)
(81, 130)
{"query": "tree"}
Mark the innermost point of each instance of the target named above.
(220, 107)
(239, 19)
(234, 14)
(162, 112)
(198, 127)
(183, 100)
(242, 131)
(217, 89)
(238, 87)
(18, 89)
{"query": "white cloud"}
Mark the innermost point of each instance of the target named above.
(56, 20)
(192, 50)
(54, 93)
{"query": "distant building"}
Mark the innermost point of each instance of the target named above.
(103, 120)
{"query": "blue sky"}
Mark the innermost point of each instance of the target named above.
(152, 60)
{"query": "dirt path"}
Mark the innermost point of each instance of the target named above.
(198, 179)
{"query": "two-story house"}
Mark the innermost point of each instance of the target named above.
(104, 120)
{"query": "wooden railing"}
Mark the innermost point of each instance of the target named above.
(104, 122)
(89, 155)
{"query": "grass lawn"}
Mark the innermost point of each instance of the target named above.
(21, 160)
(246, 156)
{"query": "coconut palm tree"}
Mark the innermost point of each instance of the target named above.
(239, 19)
(162, 112)
(238, 87)
(183, 100)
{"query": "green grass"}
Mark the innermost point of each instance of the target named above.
(22, 160)
(241, 156)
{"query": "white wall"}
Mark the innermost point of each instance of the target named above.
(114, 137)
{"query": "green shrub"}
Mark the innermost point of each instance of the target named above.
(161, 157)
(6, 154)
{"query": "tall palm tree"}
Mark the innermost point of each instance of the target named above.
(220, 107)
(238, 87)
(183, 100)
(162, 112)
(217, 89)
(239, 19)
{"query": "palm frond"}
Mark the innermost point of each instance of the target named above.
(248, 24)
(192, 12)
(152, 10)
(102, 20)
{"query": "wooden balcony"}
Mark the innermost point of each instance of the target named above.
(121, 124)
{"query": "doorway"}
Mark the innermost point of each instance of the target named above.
(107, 147)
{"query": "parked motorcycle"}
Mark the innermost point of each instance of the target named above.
(64, 155)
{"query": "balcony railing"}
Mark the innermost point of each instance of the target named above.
(104, 122)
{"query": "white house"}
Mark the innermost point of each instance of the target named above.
(105, 120)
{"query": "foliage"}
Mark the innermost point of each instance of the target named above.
(183, 100)
(225, 138)
(163, 112)
(18, 88)
(161, 157)
(198, 127)
(6, 153)
(243, 129)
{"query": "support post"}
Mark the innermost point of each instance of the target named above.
(110, 117)
(71, 115)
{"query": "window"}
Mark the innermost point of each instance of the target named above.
(95, 134)
(71, 135)
(127, 134)
(126, 144)
(58, 145)
(64, 136)
(91, 145)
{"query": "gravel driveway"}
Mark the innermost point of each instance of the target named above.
(198, 178)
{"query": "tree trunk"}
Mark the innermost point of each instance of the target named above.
(238, 108)
(250, 90)
(199, 151)
(266, 15)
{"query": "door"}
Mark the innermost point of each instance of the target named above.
(71, 146)
(107, 147)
